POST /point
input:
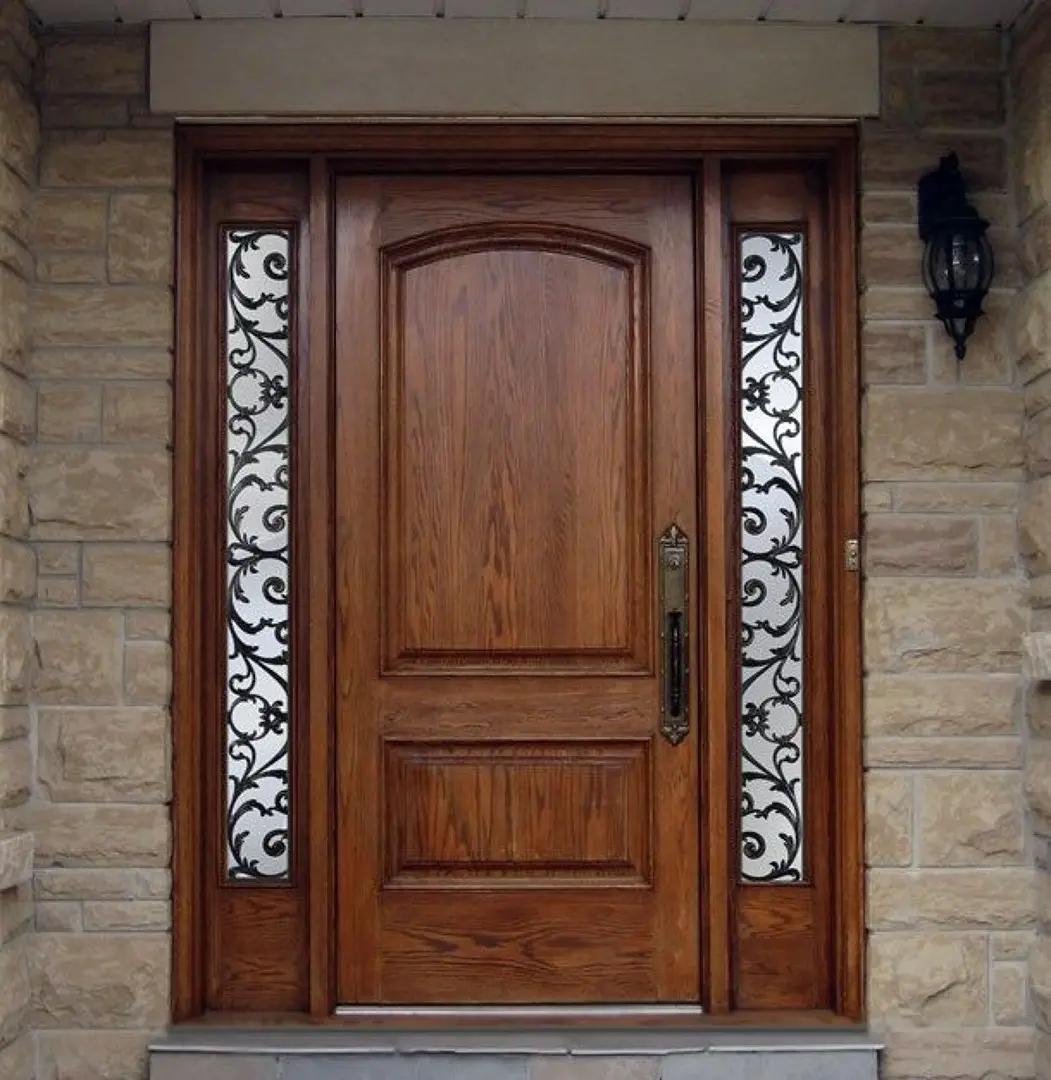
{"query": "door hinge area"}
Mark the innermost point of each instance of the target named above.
(852, 554)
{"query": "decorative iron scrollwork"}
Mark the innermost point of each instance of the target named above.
(257, 553)
(771, 666)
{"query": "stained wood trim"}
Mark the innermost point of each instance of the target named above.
(704, 149)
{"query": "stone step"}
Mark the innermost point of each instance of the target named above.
(189, 1054)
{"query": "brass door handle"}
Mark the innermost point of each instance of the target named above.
(673, 566)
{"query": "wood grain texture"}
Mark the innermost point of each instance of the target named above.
(535, 441)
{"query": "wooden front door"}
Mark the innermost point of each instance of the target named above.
(516, 426)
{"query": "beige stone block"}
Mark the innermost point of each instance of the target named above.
(895, 303)
(103, 159)
(126, 916)
(59, 917)
(877, 498)
(136, 412)
(970, 818)
(141, 234)
(987, 752)
(1010, 945)
(942, 435)
(14, 656)
(107, 884)
(59, 592)
(104, 494)
(83, 834)
(1037, 780)
(58, 558)
(93, 1055)
(931, 47)
(18, 1061)
(1034, 526)
(890, 255)
(127, 575)
(1035, 243)
(104, 363)
(958, 1054)
(78, 657)
(956, 498)
(998, 898)
(961, 99)
(913, 544)
(1038, 444)
(1040, 980)
(101, 315)
(14, 991)
(104, 755)
(990, 359)
(888, 819)
(69, 412)
(147, 626)
(898, 157)
(16, 772)
(928, 980)
(14, 323)
(16, 912)
(998, 546)
(147, 673)
(68, 221)
(96, 63)
(62, 268)
(83, 111)
(894, 354)
(1007, 988)
(20, 131)
(15, 200)
(888, 207)
(953, 706)
(1031, 160)
(943, 626)
(17, 406)
(14, 722)
(99, 980)
(16, 857)
(17, 572)
(1031, 325)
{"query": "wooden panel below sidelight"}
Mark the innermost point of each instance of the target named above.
(489, 812)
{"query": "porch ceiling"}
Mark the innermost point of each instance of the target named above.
(977, 13)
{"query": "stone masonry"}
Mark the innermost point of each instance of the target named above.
(19, 138)
(1031, 85)
(949, 448)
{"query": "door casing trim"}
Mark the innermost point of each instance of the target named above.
(506, 147)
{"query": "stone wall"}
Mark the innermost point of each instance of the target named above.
(949, 887)
(19, 136)
(951, 906)
(1030, 71)
(99, 504)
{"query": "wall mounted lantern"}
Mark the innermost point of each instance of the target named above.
(957, 258)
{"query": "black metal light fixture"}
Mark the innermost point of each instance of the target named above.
(957, 257)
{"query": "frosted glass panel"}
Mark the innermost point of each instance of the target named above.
(770, 282)
(257, 541)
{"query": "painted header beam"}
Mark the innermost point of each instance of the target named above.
(501, 68)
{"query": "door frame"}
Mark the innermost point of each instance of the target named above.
(462, 146)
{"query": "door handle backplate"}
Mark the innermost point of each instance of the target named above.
(673, 570)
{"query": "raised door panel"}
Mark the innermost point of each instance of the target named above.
(515, 451)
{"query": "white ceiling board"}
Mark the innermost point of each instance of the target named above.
(307, 8)
(140, 11)
(725, 10)
(398, 7)
(483, 9)
(645, 9)
(894, 11)
(561, 9)
(235, 9)
(807, 10)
